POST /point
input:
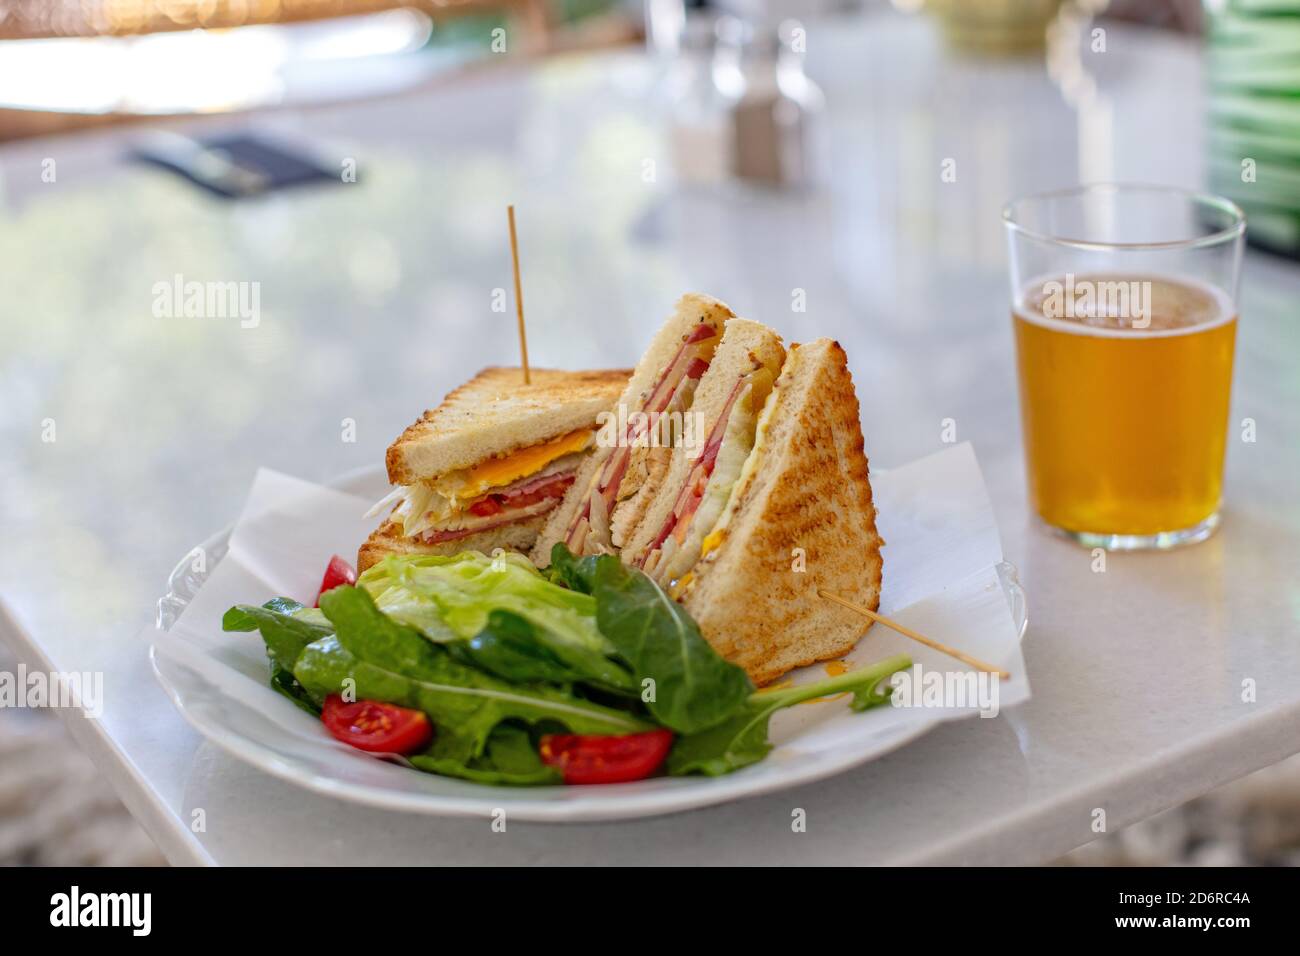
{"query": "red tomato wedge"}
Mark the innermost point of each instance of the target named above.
(486, 507)
(584, 758)
(337, 574)
(378, 728)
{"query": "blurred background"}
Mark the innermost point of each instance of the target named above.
(148, 68)
(69, 64)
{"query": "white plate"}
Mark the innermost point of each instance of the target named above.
(256, 725)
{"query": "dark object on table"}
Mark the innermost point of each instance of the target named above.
(235, 165)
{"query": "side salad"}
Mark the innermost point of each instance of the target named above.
(487, 669)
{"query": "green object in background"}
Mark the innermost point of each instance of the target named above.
(1253, 124)
(477, 30)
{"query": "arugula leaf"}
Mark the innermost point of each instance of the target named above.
(742, 740)
(285, 637)
(283, 682)
(391, 662)
(510, 757)
(577, 574)
(238, 617)
(284, 634)
(510, 647)
(694, 688)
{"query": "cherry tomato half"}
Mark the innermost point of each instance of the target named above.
(375, 727)
(338, 573)
(585, 758)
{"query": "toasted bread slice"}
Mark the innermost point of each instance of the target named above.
(388, 539)
(690, 311)
(744, 347)
(495, 413)
(803, 501)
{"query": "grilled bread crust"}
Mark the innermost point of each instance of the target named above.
(690, 310)
(388, 539)
(744, 343)
(810, 491)
(495, 413)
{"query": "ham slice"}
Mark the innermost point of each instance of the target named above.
(531, 497)
(524, 486)
(686, 365)
(688, 499)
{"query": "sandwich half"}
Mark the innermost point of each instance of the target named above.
(485, 468)
(798, 517)
(622, 476)
(668, 539)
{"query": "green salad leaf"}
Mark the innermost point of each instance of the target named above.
(693, 687)
(283, 682)
(497, 654)
(452, 599)
(464, 588)
(578, 574)
(742, 739)
(511, 757)
(391, 662)
(285, 636)
(513, 648)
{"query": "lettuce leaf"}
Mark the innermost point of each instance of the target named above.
(452, 598)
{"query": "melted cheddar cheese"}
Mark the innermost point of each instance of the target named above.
(498, 472)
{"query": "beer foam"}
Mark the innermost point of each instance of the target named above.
(1109, 304)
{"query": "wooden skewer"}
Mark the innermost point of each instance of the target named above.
(962, 656)
(519, 293)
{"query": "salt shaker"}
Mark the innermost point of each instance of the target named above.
(773, 104)
(700, 116)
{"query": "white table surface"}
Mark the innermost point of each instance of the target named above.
(376, 300)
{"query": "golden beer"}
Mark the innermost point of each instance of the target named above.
(1124, 409)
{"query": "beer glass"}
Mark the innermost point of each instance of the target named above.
(1124, 308)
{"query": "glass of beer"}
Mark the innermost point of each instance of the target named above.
(1124, 307)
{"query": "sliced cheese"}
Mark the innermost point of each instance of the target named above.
(439, 503)
(475, 482)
